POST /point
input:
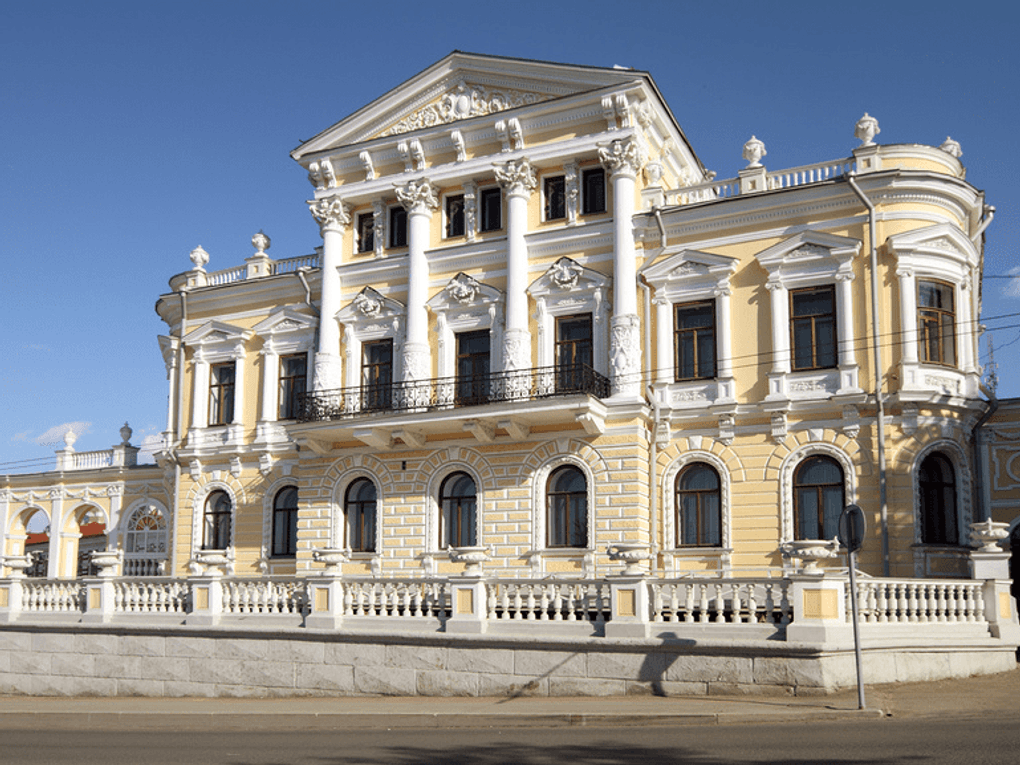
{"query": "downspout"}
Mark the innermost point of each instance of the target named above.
(877, 362)
(179, 435)
(982, 511)
(653, 448)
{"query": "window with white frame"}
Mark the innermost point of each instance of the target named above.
(470, 327)
(221, 393)
(694, 340)
(567, 507)
(377, 322)
(698, 506)
(458, 509)
(554, 197)
(936, 483)
(936, 323)
(593, 191)
(285, 518)
(360, 513)
(490, 209)
(216, 521)
(292, 384)
(813, 327)
(364, 233)
(453, 213)
(818, 497)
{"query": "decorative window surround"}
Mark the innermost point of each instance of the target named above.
(198, 516)
(540, 550)
(964, 507)
(432, 515)
(943, 253)
(787, 529)
(286, 331)
(684, 277)
(268, 500)
(810, 259)
(338, 516)
(462, 306)
(370, 316)
(568, 288)
(216, 343)
(720, 555)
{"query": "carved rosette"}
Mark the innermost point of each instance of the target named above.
(330, 213)
(418, 197)
(624, 350)
(623, 157)
(516, 177)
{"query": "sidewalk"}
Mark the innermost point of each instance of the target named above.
(968, 697)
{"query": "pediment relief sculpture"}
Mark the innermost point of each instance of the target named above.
(463, 101)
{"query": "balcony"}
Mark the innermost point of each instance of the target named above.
(511, 401)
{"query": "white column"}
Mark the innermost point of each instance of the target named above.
(239, 357)
(419, 199)
(723, 344)
(623, 160)
(665, 372)
(908, 317)
(56, 529)
(780, 304)
(200, 391)
(333, 217)
(518, 181)
(270, 386)
(848, 382)
(965, 328)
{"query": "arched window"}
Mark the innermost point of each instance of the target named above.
(817, 497)
(285, 523)
(567, 497)
(698, 507)
(146, 531)
(359, 512)
(458, 502)
(216, 526)
(937, 484)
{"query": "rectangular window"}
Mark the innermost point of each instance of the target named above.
(473, 367)
(491, 201)
(365, 241)
(593, 191)
(377, 374)
(936, 323)
(455, 216)
(813, 327)
(293, 376)
(398, 227)
(221, 394)
(555, 193)
(694, 341)
(573, 352)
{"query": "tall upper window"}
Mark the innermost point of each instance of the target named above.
(458, 502)
(573, 351)
(491, 204)
(473, 367)
(694, 341)
(365, 235)
(554, 191)
(937, 486)
(455, 215)
(936, 323)
(813, 327)
(818, 497)
(293, 381)
(146, 531)
(377, 374)
(360, 514)
(567, 497)
(398, 227)
(216, 521)
(221, 393)
(593, 191)
(285, 515)
(698, 506)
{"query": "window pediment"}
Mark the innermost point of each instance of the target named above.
(371, 313)
(464, 293)
(809, 257)
(934, 247)
(217, 341)
(285, 321)
(689, 271)
(567, 279)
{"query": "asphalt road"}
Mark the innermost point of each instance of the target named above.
(928, 741)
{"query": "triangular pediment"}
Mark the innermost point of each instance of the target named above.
(213, 332)
(463, 291)
(943, 240)
(368, 305)
(285, 320)
(688, 265)
(567, 275)
(808, 248)
(461, 86)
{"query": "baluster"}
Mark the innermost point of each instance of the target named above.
(979, 604)
(531, 601)
(600, 614)
(703, 603)
(770, 603)
(490, 601)
(883, 605)
(736, 604)
(517, 602)
(394, 609)
(752, 605)
(571, 603)
(656, 602)
(912, 602)
(931, 603)
(688, 601)
(504, 601)
(720, 604)
(405, 609)
(557, 603)
(901, 604)
(785, 609)
(952, 606)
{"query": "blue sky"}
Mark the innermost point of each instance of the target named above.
(132, 132)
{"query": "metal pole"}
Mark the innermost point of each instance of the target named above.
(857, 635)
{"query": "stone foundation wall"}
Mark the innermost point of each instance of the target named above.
(104, 661)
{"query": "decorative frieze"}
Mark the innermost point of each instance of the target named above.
(465, 100)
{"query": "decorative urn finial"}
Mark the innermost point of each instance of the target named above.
(951, 147)
(260, 242)
(125, 435)
(754, 150)
(69, 439)
(866, 130)
(199, 257)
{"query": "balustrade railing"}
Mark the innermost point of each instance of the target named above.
(52, 595)
(226, 276)
(290, 265)
(264, 596)
(729, 601)
(150, 596)
(452, 392)
(548, 600)
(913, 601)
(143, 566)
(91, 460)
(396, 598)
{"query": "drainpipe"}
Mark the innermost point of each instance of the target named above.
(653, 449)
(662, 228)
(300, 274)
(877, 361)
(179, 435)
(983, 511)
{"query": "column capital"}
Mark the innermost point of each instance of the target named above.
(623, 157)
(330, 213)
(516, 177)
(417, 197)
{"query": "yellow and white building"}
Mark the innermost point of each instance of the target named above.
(539, 337)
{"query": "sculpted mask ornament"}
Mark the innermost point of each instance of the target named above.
(754, 150)
(624, 156)
(462, 288)
(517, 177)
(951, 147)
(330, 212)
(418, 196)
(565, 273)
(866, 130)
(367, 305)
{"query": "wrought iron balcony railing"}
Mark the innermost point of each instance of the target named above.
(452, 392)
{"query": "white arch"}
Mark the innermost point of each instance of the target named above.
(789, 466)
